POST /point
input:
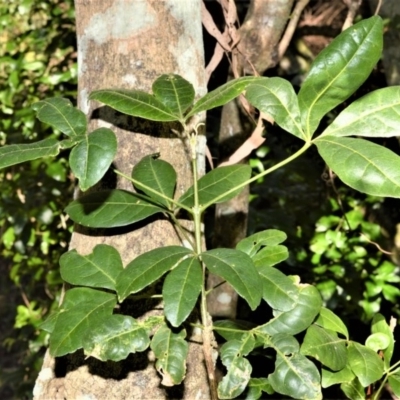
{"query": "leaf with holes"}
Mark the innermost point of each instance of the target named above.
(91, 158)
(98, 269)
(171, 351)
(362, 165)
(238, 269)
(148, 267)
(181, 289)
(236, 379)
(156, 174)
(110, 209)
(176, 93)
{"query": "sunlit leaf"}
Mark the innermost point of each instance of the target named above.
(339, 70)
(364, 166)
(377, 341)
(365, 363)
(328, 320)
(277, 98)
(174, 92)
(353, 390)
(181, 289)
(394, 382)
(91, 158)
(330, 378)
(379, 325)
(326, 347)
(60, 114)
(135, 103)
(157, 174)
(147, 268)
(213, 186)
(115, 338)
(19, 153)
(98, 269)
(238, 269)
(110, 208)
(271, 255)
(170, 350)
(222, 95)
(376, 114)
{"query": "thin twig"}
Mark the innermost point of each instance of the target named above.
(378, 7)
(353, 6)
(291, 27)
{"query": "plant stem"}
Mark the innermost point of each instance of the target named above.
(205, 317)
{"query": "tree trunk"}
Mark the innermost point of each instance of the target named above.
(128, 44)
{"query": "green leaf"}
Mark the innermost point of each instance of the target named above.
(238, 269)
(299, 318)
(73, 323)
(377, 341)
(181, 289)
(271, 255)
(115, 337)
(362, 165)
(98, 269)
(109, 209)
(353, 390)
(394, 382)
(19, 153)
(277, 98)
(296, 376)
(328, 320)
(339, 70)
(379, 325)
(222, 95)
(213, 185)
(330, 378)
(284, 344)
(236, 348)
(156, 174)
(232, 330)
(326, 347)
(147, 268)
(235, 381)
(376, 114)
(91, 158)
(176, 93)
(365, 363)
(253, 243)
(256, 386)
(60, 114)
(135, 103)
(170, 350)
(279, 291)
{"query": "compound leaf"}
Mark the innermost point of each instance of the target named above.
(109, 209)
(238, 269)
(98, 269)
(181, 289)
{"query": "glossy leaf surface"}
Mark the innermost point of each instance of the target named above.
(222, 95)
(181, 289)
(365, 363)
(115, 338)
(109, 209)
(364, 166)
(135, 103)
(174, 92)
(91, 158)
(330, 378)
(97, 269)
(18, 153)
(253, 243)
(339, 70)
(376, 114)
(238, 269)
(236, 379)
(60, 114)
(326, 347)
(157, 174)
(232, 330)
(216, 183)
(170, 350)
(277, 98)
(328, 320)
(299, 318)
(147, 268)
(236, 348)
(88, 309)
(279, 291)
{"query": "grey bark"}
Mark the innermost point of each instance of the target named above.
(128, 44)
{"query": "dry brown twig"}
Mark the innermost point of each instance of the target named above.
(353, 6)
